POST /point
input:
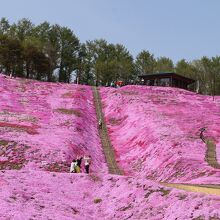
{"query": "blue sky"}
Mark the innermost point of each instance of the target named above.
(177, 29)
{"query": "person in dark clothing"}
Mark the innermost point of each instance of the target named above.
(100, 123)
(79, 161)
(87, 160)
(201, 135)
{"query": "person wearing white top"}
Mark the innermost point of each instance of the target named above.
(73, 166)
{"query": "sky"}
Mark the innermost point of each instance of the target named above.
(178, 29)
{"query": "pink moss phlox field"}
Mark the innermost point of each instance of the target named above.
(155, 132)
(55, 123)
(43, 126)
(42, 195)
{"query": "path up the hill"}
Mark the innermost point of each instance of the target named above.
(211, 157)
(106, 144)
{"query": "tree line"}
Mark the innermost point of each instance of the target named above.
(55, 54)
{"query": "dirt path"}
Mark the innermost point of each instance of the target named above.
(211, 157)
(208, 189)
(106, 144)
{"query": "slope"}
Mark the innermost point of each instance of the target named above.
(155, 132)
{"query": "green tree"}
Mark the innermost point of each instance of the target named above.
(145, 63)
(215, 75)
(164, 64)
(50, 38)
(185, 68)
(84, 65)
(35, 61)
(97, 53)
(123, 62)
(4, 26)
(204, 74)
(69, 47)
(10, 54)
(23, 29)
(109, 62)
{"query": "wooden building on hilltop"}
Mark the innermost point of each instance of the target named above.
(166, 79)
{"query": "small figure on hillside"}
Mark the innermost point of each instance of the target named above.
(79, 161)
(87, 162)
(201, 135)
(100, 123)
(73, 166)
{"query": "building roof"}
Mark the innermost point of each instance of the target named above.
(166, 75)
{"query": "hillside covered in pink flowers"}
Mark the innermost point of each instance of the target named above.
(154, 132)
(45, 125)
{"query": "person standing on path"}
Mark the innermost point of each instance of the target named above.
(73, 166)
(78, 161)
(100, 123)
(87, 162)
